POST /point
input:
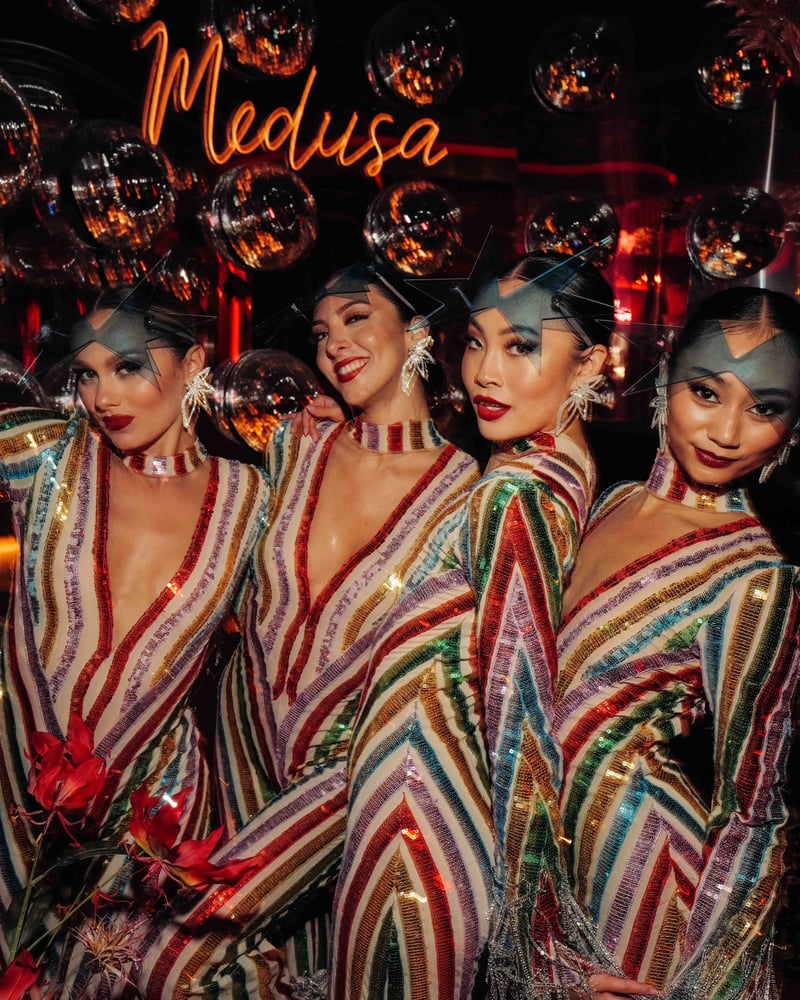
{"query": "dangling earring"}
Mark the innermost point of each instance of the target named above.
(781, 456)
(660, 403)
(198, 391)
(582, 396)
(419, 357)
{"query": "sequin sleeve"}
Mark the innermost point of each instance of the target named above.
(750, 669)
(25, 434)
(525, 524)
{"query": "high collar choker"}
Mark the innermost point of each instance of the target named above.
(411, 435)
(166, 466)
(666, 480)
(521, 446)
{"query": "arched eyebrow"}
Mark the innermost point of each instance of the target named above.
(510, 330)
(767, 392)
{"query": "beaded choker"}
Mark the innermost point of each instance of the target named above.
(667, 480)
(166, 466)
(411, 435)
(521, 446)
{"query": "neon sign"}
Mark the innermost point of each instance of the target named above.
(172, 78)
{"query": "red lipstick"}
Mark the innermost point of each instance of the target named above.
(116, 423)
(712, 461)
(487, 408)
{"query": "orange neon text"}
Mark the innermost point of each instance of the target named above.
(173, 78)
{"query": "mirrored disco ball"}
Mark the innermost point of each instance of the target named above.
(570, 222)
(577, 65)
(416, 226)
(103, 12)
(254, 393)
(735, 233)
(19, 387)
(59, 382)
(19, 146)
(261, 216)
(109, 184)
(415, 54)
(734, 79)
(268, 37)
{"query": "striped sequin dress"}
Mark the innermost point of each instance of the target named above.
(429, 775)
(58, 654)
(288, 703)
(681, 882)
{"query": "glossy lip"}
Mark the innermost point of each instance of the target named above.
(712, 461)
(116, 423)
(487, 408)
(348, 369)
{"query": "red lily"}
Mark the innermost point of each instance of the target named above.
(154, 827)
(19, 980)
(65, 775)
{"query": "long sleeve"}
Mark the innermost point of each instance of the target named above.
(526, 519)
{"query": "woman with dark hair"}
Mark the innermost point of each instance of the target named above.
(351, 508)
(475, 626)
(681, 618)
(133, 543)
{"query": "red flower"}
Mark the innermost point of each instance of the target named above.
(65, 775)
(19, 980)
(155, 828)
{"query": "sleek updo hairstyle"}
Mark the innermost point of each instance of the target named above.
(142, 312)
(581, 295)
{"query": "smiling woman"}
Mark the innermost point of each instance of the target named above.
(353, 504)
(681, 619)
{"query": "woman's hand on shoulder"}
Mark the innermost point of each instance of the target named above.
(319, 408)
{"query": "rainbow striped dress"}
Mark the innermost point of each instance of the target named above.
(58, 654)
(675, 858)
(289, 699)
(439, 757)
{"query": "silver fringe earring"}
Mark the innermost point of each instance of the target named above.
(581, 398)
(198, 391)
(660, 402)
(419, 357)
(781, 456)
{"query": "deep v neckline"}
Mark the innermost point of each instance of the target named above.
(177, 579)
(634, 567)
(311, 605)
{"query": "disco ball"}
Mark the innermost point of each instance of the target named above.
(254, 393)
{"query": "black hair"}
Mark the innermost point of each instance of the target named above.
(778, 499)
(741, 304)
(581, 293)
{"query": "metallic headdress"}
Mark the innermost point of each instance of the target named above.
(144, 318)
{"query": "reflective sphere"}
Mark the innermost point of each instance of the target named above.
(109, 184)
(121, 11)
(189, 274)
(270, 37)
(415, 226)
(577, 65)
(735, 233)
(53, 110)
(101, 11)
(43, 258)
(59, 382)
(74, 11)
(415, 54)
(733, 79)
(18, 387)
(261, 216)
(19, 146)
(569, 223)
(252, 395)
